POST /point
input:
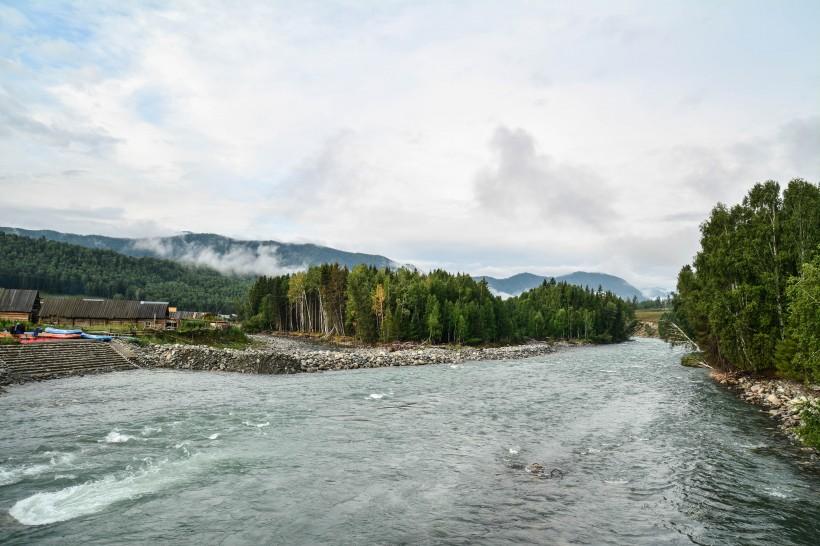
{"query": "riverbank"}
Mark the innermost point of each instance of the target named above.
(784, 400)
(283, 354)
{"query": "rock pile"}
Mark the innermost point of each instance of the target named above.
(645, 328)
(280, 355)
(785, 400)
(194, 357)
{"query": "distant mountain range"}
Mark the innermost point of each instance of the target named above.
(221, 253)
(512, 286)
(657, 292)
(241, 257)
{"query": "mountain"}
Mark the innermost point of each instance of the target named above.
(512, 286)
(61, 268)
(657, 292)
(233, 256)
(224, 254)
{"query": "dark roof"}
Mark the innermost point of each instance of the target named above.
(187, 315)
(103, 309)
(17, 301)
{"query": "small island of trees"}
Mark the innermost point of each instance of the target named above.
(403, 305)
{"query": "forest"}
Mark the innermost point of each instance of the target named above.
(402, 305)
(365, 302)
(61, 268)
(751, 298)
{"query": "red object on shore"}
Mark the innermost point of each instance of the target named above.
(59, 336)
(39, 339)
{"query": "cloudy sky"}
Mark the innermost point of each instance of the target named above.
(488, 137)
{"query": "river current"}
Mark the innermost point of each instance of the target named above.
(650, 452)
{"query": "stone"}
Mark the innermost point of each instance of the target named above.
(535, 468)
(773, 400)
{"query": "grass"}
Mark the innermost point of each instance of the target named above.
(6, 324)
(232, 338)
(692, 360)
(649, 315)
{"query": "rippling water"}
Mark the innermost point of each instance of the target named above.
(652, 453)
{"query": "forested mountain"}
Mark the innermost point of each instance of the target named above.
(61, 268)
(221, 253)
(751, 298)
(382, 304)
(517, 284)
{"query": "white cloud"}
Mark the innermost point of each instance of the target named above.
(526, 183)
(241, 260)
(365, 126)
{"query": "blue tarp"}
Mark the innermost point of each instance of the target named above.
(59, 331)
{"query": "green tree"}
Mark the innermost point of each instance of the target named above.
(799, 357)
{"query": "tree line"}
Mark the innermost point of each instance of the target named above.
(751, 298)
(61, 268)
(403, 305)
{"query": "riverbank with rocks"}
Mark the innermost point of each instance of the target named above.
(284, 355)
(784, 400)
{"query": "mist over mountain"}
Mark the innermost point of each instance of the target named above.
(249, 257)
(221, 253)
(657, 292)
(512, 286)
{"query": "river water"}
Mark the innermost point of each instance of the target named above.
(651, 453)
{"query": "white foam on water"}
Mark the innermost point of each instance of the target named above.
(753, 446)
(147, 430)
(608, 371)
(116, 437)
(9, 476)
(376, 396)
(257, 425)
(616, 482)
(94, 496)
(777, 494)
(514, 450)
(213, 436)
(455, 366)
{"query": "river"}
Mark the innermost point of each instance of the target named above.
(651, 453)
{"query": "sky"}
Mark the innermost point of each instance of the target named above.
(485, 137)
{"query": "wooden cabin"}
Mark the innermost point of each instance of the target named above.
(19, 305)
(104, 312)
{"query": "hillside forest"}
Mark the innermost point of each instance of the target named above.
(61, 268)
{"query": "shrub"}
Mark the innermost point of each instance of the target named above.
(809, 431)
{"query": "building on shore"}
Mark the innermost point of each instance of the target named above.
(104, 312)
(19, 305)
(187, 315)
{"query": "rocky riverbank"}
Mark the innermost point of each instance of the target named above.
(784, 400)
(5, 378)
(644, 328)
(277, 355)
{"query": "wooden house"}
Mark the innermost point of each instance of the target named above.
(19, 305)
(104, 312)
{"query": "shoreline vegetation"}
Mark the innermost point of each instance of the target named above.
(750, 302)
